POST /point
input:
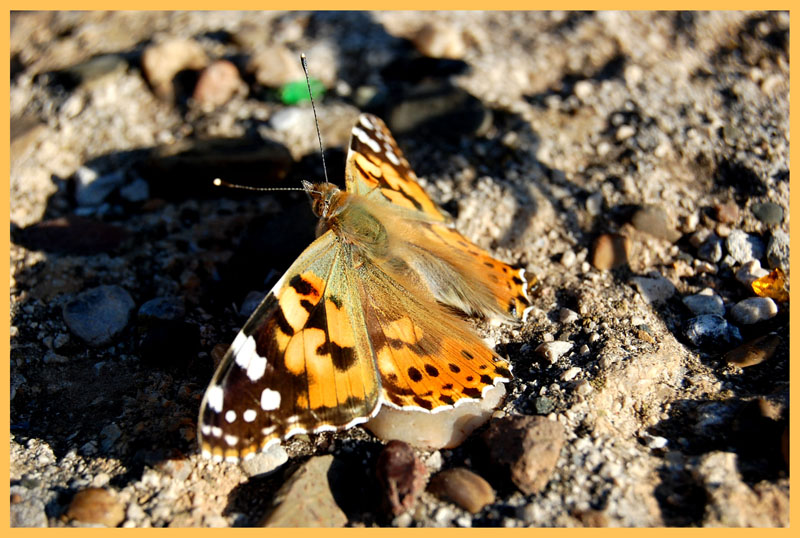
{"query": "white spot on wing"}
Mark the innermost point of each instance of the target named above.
(257, 366)
(205, 429)
(214, 398)
(230, 415)
(216, 431)
(249, 415)
(392, 158)
(231, 440)
(365, 139)
(270, 400)
(364, 121)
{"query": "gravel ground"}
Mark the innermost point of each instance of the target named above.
(636, 163)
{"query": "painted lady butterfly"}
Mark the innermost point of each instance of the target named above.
(367, 316)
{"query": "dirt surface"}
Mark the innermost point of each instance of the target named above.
(628, 160)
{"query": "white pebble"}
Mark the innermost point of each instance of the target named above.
(753, 310)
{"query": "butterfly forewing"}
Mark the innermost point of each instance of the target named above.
(295, 367)
(377, 168)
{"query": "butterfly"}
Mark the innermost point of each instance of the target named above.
(372, 313)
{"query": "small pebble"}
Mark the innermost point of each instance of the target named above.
(583, 89)
(275, 66)
(711, 249)
(402, 475)
(251, 302)
(610, 251)
(594, 204)
(568, 258)
(705, 304)
(749, 272)
(552, 351)
(264, 463)
(653, 219)
(754, 352)
(162, 308)
(99, 314)
(778, 251)
(744, 247)
(571, 374)
(753, 309)
(440, 40)
(137, 191)
(624, 132)
(769, 213)
(727, 213)
(711, 331)
(464, 488)
(162, 61)
(96, 505)
(91, 188)
(217, 84)
(565, 315)
(654, 290)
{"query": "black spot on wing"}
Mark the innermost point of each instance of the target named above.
(414, 374)
(303, 286)
(425, 404)
(431, 370)
(471, 392)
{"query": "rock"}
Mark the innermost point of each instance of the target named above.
(99, 314)
(275, 66)
(91, 189)
(263, 463)
(73, 235)
(778, 251)
(711, 249)
(732, 503)
(705, 304)
(93, 72)
(727, 213)
(108, 436)
(594, 203)
(250, 303)
(527, 448)
(568, 258)
(744, 247)
(162, 309)
(217, 84)
(653, 219)
(26, 510)
(769, 213)
(610, 251)
(711, 331)
(440, 40)
(402, 475)
(137, 191)
(443, 429)
(162, 61)
(565, 315)
(464, 488)
(98, 506)
(288, 119)
(305, 499)
(543, 405)
(654, 290)
(750, 272)
(552, 351)
(753, 309)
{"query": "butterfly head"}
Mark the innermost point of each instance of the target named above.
(326, 198)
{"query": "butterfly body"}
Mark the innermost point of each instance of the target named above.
(365, 317)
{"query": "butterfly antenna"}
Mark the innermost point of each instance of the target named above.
(222, 183)
(314, 110)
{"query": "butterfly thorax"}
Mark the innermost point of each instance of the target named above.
(348, 216)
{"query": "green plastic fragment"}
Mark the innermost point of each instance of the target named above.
(295, 92)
